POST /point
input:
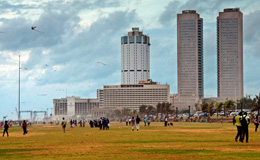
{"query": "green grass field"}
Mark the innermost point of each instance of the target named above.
(182, 141)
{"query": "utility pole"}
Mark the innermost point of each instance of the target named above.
(19, 91)
(176, 112)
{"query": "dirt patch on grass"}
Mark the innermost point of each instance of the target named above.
(20, 134)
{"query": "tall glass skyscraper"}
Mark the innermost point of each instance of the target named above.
(135, 57)
(190, 54)
(230, 54)
(189, 58)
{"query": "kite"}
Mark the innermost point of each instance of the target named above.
(33, 28)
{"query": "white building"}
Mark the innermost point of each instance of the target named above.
(135, 57)
(73, 106)
(132, 96)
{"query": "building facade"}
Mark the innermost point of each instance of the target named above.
(230, 54)
(73, 106)
(135, 57)
(189, 58)
(134, 95)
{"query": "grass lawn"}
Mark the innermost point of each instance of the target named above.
(182, 141)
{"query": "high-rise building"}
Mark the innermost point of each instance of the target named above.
(230, 54)
(189, 58)
(135, 57)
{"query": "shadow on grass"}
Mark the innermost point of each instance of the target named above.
(165, 141)
(203, 152)
(6, 151)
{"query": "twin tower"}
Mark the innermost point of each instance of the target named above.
(135, 56)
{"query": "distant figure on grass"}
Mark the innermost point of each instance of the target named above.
(71, 122)
(245, 122)
(100, 123)
(108, 124)
(256, 122)
(149, 121)
(133, 123)
(129, 120)
(239, 127)
(144, 121)
(137, 123)
(24, 126)
(165, 121)
(63, 124)
(6, 126)
(126, 121)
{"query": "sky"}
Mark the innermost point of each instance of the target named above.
(60, 56)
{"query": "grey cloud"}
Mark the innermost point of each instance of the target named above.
(207, 9)
(98, 43)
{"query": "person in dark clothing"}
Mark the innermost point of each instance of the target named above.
(71, 123)
(24, 126)
(104, 123)
(108, 125)
(165, 121)
(91, 123)
(5, 129)
(256, 122)
(245, 122)
(137, 123)
(100, 123)
(239, 127)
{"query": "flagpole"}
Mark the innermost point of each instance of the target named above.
(19, 92)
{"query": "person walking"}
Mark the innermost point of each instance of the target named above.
(239, 127)
(63, 124)
(104, 122)
(133, 123)
(149, 121)
(129, 121)
(165, 121)
(256, 122)
(245, 122)
(100, 123)
(137, 123)
(6, 126)
(24, 126)
(144, 121)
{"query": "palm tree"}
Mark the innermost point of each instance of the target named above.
(142, 109)
(126, 112)
(204, 106)
(168, 108)
(219, 107)
(158, 108)
(210, 108)
(229, 104)
(150, 110)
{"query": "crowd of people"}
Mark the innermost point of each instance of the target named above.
(102, 123)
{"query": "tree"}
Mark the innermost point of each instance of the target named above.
(229, 104)
(134, 112)
(210, 108)
(247, 103)
(126, 112)
(150, 110)
(219, 106)
(168, 108)
(204, 106)
(256, 104)
(142, 109)
(158, 108)
(163, 109)
(118, 113)
(197, 106)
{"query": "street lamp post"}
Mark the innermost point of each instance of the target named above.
(19, 91)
